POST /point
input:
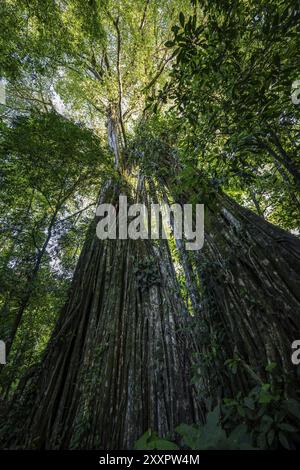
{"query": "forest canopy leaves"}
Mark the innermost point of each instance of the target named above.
(192, 100)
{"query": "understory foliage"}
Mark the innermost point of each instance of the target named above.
(145, 344)
(262, 419)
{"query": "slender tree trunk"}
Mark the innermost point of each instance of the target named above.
(5, 308)
(112, 131)
(282, 158)
(256, 203)
(287, 181)
(29, 286)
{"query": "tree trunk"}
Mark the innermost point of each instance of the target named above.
(282, 158)
(119, 362)
(30, 286)
(250, 276)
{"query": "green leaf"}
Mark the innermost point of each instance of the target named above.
(213, 418)
(181, 19)
(287, 427)
(293, 407)
(190, 434)
(249, 402)
(163, 444)
(240, 435)
(265, 425)
(283, 440)
(261, 440)
(143, 442)
(271, 366)
(230, 402)
(169, 43)
(270, 437)
(241, 411)
(150, 441)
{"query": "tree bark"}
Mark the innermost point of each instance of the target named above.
(119, 361)
(250, 276)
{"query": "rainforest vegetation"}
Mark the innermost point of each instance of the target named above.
(122, 344)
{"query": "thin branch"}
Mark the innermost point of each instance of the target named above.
(75, 213)
(143, 20)
(120, 86)
(159, 72)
